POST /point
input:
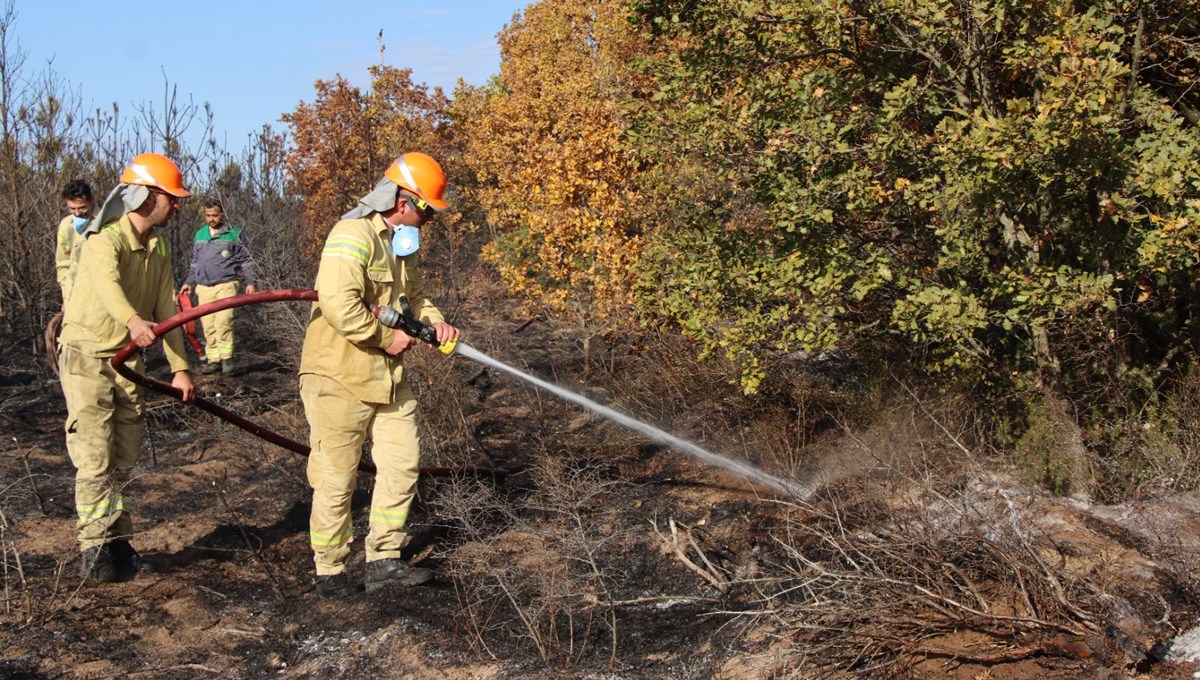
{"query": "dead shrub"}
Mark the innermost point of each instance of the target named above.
(1168, 458)
(1052, 449)
(17, 594)
(662, 381)
(535, 569)
(870, 586)
(441, 414)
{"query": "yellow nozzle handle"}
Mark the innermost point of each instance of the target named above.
(447, 347)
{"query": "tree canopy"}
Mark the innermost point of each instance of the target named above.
(545, 142)
(346, 137)
(1000, 188)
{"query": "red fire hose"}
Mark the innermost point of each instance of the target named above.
(225, 414)
(189, 327)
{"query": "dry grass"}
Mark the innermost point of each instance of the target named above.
(863, 584)
(535, 568)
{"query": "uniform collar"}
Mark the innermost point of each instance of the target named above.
(381, 226)
(131, 237)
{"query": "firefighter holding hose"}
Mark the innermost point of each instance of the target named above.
(352, 378)
(123, 284)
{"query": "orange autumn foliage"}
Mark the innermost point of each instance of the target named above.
(346, 137)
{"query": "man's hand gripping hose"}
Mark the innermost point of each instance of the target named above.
(118, 363)
(403, 320)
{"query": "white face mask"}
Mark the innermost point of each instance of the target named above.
(405, 241)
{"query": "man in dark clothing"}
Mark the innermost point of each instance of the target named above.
(220, 263)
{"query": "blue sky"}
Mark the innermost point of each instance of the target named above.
(252, 60)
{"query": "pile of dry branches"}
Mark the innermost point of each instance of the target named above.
(866, 585)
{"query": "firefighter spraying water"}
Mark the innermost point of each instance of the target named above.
(353, 383)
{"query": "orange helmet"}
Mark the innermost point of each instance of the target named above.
(155, 170)
(420, 174)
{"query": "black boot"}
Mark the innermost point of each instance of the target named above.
(335, 585)
(211, 367)
(97, 564)
(128, 562)
(395, 570)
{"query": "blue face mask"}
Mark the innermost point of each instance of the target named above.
(79, 223)
(405, 241)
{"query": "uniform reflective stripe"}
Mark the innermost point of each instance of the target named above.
(115, 230)
(348, 247)
(215, 351)
(353, 241)
(326, 540)
(345, 256)
(392, 517)
(101, 509)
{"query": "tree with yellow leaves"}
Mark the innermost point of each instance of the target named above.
(544, 140)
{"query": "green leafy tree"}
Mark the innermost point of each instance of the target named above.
(1002, 190)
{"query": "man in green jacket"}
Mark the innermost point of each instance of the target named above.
(220, 264)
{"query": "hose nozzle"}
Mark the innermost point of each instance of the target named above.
(400, 319)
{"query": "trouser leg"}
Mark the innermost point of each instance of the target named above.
(129, 424)
(104, 431)
(337, 426)
(218, 327)
(396, 450)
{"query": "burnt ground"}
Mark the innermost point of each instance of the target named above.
(597, 555)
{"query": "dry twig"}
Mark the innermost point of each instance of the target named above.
(711, 575)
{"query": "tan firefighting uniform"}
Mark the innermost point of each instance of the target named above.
(116, 278)
(218, 326)
(350, 388)
(66, 253)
